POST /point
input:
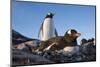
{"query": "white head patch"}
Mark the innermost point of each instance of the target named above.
(48, 13)
(69, 32)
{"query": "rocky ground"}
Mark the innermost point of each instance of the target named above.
(24, 52)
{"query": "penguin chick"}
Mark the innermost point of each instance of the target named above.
(58, 43)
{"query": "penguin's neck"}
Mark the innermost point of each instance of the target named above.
(49, 16)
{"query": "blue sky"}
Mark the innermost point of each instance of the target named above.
(27, 18)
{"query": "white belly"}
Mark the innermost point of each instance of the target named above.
(48, 29)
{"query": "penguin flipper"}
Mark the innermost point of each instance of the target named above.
(56, 34)
(41, 30)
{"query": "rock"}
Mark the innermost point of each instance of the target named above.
(69, 50)
(18, 38)
(88, 47)
(24, 43)
(22, 58)
(88, 50)
(26, 52)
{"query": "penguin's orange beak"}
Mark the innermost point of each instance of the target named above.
(78, 34)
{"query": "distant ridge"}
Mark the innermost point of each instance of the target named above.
(18, 38)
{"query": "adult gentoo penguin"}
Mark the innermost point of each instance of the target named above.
(47, 29)
(60, 42)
